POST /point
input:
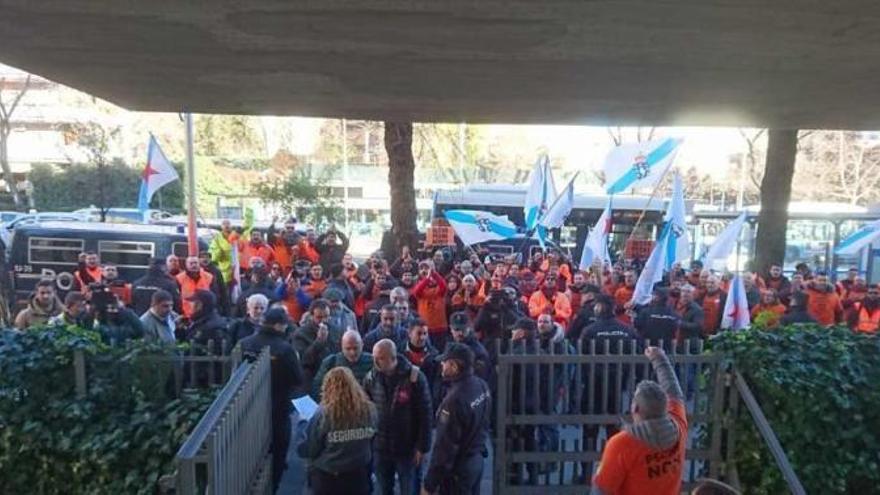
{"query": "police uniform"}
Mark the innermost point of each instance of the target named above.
(462, 431)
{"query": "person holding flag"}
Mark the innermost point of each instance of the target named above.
(157, 173)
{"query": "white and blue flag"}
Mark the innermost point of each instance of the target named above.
(638, 164)
(652, 272)
(474, 226)
(676, 245)
(716, 256)
(596, 245)
(736, 309)
(540, 194)
(559, 210)
(859, 239)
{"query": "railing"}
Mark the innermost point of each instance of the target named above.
(199, 366)
(794, 484)
(551, 434)
(228, 451)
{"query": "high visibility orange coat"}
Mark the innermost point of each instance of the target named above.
(866, 321)
(558, 306)
(713, 309)
(284, 254)
(248, 250)
(308, 251)
(824, 306)
(189, 286)
(85, 276)
(431, 302)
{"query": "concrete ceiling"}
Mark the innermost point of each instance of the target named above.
(782, 63)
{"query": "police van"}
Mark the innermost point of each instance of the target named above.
(51, 250)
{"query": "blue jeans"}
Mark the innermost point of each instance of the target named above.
(387, 467)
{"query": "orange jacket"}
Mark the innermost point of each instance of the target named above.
(824, 306)
(431, 302)
(248, 250)
(623, 295)
(284, 255)
(314, 288)
(558, 306)
(470, 303)
(308, 251)
(188, 287)
(713, 307)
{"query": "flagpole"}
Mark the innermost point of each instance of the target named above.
(192, 234)
(647, 204)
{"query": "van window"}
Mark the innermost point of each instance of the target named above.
(56, 251)
(126, 254)
(181, 250)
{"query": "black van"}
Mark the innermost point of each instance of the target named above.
(51, 250)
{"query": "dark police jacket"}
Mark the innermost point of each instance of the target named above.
(462, 428)
(657, 323)
(287, 376)
(143, 288)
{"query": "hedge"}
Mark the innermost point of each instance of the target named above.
(820, 390)
(120, 438)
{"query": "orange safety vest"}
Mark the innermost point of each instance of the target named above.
(96, 275)
(188, 287)
(867, 322)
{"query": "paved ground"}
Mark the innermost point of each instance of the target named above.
(294, 479)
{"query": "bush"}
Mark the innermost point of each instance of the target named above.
(820, 390)
(120, 438)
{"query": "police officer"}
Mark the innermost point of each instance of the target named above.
(657, 322)
(287, 376)
(462, 427)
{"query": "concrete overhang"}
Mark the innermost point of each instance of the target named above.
(779, 63)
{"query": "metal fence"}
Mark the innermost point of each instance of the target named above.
(228, 451)
(199, 366)
(555, 410)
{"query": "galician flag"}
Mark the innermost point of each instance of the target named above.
(724, 244)
(473, 226)
(677, 246)
(540, 194)
(596, 245)
(859, 239)
(736, 309)
(157, 174)
(559, 210)
(638, 164)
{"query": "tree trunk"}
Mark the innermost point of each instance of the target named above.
(6, 168)
(401, 179)
(775, 196)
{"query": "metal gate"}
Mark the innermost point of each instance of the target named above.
(556, 410)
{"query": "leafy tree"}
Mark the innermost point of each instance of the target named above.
(7, 108)
(228, 135)
(303, 195)
(73, 187)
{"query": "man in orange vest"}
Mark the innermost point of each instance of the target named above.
(713, 305)
(194, 278)
(824, 303)
(308, 249)
(255, 248)
(88, 272)
(120, 287)
(285, 244)
(550, 301)
(865, 315)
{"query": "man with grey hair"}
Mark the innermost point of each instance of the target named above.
(352, 357)
(647, 455)
(403, 401)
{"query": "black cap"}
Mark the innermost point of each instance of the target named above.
(275, 316)
(206, 297)
(459, 352)
(459, 320)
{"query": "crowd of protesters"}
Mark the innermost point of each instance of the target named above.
(395, 349)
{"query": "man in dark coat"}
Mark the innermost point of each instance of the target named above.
(403, 401)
